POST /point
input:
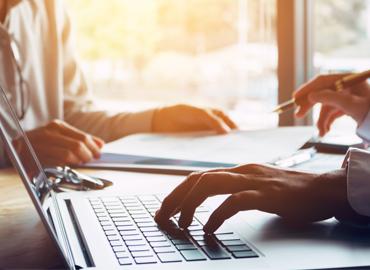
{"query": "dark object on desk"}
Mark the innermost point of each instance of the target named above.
(65, 178)
(335, 144)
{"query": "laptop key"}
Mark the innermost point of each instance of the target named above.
(118, 219)
(181, 241)
(238, 248)
(186, 247)
(123, 223)
(124, 261)
(226, 237)
(156, 233)
(135, 243)
(156, 238)
(145, 260)
(122, 254)
(110, 232)
(160, 244)
(245, 254)
(127, 233)
(113, 237)
(169, 257)
(216, 253)
(193, 255)
(139, 248)
(232, 243)
(149, 229)
(145, 224)
(115, 243)
(132, 237)
(119, 248)
(164, 249)
(146, 253)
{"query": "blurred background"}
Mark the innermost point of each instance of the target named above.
(220, 53)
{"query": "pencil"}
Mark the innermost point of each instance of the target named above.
(339, 85)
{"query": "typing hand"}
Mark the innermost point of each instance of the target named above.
(294, 195)
(183, 118)
(354, 101)
(58, 143)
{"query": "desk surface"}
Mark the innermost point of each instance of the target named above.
(23, 237)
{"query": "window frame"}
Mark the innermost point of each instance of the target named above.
(295, 52)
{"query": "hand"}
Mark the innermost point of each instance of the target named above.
(298, 196)
(183, 118)
(58, 143)
(354, 101)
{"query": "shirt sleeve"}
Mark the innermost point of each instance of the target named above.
(79, 108)
(363, 130)
(357, 163)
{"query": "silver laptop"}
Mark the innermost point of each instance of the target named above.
(110, 230)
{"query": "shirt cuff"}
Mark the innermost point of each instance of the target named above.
(363, 130)
(358, 180)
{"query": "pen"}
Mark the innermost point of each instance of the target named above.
(297, 158)
(339, 85)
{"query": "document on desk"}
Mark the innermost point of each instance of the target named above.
(198, 149)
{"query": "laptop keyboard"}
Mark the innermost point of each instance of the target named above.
(136, 238)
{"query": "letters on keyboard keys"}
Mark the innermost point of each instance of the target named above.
(215, 253)
(169, 257)
(193, 255)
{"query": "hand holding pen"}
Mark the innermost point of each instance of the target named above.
(339, 94)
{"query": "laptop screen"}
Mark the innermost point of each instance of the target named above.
(28, 166)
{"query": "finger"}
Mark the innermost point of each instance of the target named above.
(241, 201)
(99, 142)
(85, 138)
(213, 122)
(225, 118)
(338, 100)
(210, 184)
(173, 201)
(325, 112)
(315, 85)
(70, 144)
(57, 155)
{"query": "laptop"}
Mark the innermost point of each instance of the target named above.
(116, 230)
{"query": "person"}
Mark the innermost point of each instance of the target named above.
(297, 196)
(48, 90)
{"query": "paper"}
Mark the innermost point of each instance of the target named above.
(237, 147)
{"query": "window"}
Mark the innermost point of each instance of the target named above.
(342, 39)
(211, 52)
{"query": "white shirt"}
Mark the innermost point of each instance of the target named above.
(358, 172)
(57, 86)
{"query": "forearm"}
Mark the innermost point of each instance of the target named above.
(108, 126)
